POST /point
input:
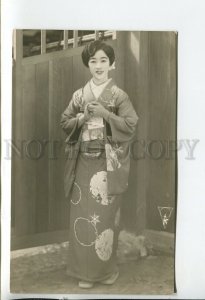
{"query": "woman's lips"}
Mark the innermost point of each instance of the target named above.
(99, 72)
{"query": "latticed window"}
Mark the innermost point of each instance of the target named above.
(36, 42)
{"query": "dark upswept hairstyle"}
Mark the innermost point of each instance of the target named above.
(91, 48)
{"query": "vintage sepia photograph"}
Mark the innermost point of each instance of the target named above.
(94, 162)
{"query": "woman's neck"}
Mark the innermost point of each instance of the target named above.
(99, 83)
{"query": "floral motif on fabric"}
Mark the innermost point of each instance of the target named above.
(81, 228)
(104, 244)
(78, 99)
(98, 188)
(111, 101)
(76, 195)
(112, 157)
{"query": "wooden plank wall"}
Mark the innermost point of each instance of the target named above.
(150, 80)
(43, 89)
(162, 126)
(136, 85)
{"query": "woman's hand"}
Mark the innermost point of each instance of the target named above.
(97, 110)
(87, 114)
(83, 117)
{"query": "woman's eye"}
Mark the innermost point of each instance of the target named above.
(92, 61)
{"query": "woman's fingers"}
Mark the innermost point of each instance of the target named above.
(95, 109)
(92, 106)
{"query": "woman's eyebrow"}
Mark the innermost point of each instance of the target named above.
(103, 57)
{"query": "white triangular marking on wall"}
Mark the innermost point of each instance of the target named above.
(165, 214)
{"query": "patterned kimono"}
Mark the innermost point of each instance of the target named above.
(96, 175)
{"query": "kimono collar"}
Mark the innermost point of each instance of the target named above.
(104, 96)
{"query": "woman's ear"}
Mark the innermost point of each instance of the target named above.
(112, 67)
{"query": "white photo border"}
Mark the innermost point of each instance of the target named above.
(187, 18)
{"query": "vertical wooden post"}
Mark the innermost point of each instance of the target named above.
(16, 101)
(142, 106)
(75, 38)
(136, 85)
(18, 45)
(17, 205)
(43, 41)
(120, 58)
(114, 35)
(96, 34)
(65, 38)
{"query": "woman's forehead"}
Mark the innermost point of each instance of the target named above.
(99, 54)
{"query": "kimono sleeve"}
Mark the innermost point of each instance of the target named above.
(123, 124)
(69, 118)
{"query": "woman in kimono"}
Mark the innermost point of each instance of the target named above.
(100, 123)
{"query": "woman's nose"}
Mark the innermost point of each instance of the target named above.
(98, 65)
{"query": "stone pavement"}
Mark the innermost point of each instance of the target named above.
(150, 275)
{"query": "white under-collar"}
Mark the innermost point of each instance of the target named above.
(97, 89)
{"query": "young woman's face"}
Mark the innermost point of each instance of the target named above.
(99, 66)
